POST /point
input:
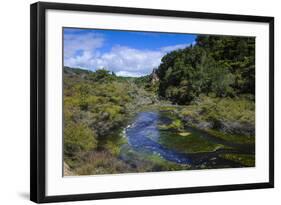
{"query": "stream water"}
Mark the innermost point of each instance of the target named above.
(143, 136)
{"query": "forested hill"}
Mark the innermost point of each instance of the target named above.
(221, 66)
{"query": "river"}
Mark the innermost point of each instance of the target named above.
(145, 136)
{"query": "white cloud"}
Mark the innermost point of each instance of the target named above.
(124, 61)
(131, 60)
(84, 43)
(174, 47)
(128, 74)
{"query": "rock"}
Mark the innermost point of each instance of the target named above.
(235, 128)
(184, 134)
(204, 125)
(154, 76)
(66, 170)
(238, 128)
(144, 101)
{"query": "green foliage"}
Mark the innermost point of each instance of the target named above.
(100, 163)
(241, 110)
(103, 162)
(229, 119)
(102, 75)
(244, 159)
(98, 99)
(96, 105)
(77, 138)
(176, 124)
(222, 65)
(238, 139)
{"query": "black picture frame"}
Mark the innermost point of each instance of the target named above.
(38, 104)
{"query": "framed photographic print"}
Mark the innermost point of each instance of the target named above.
(129, 102)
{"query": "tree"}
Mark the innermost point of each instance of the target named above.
(224, 65)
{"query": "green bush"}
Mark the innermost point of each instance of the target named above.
(240, 110)
(77, 138)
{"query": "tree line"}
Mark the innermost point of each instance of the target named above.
(223, 66)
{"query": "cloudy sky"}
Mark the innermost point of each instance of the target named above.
(126, 53)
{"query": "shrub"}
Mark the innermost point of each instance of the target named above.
(78, 137)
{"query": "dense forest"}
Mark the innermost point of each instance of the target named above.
(219, 65)
(208, 86)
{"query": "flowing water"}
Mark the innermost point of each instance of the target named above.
(144, 135)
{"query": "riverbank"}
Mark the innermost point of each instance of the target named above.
(165, 143)
(230, 123)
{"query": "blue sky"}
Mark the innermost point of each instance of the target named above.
(126, 53)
